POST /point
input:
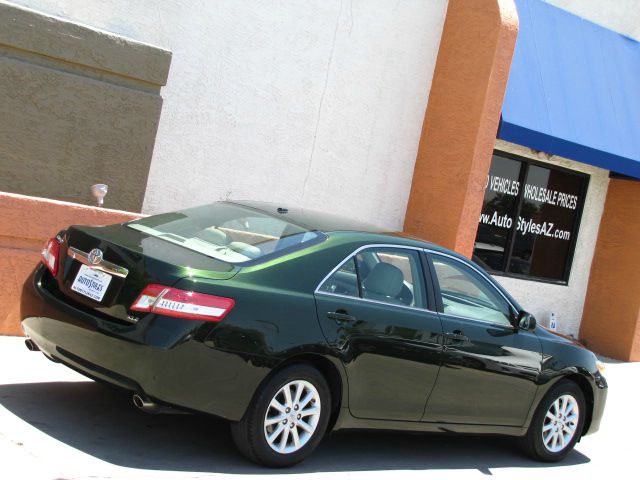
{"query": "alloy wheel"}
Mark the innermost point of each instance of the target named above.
(292, 416)
(560, 423)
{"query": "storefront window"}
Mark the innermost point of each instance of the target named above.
(530, 219)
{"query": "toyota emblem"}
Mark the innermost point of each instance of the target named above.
(95, 256)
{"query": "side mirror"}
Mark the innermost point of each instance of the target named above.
(526, 321)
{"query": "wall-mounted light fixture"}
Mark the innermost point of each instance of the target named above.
(99, 191)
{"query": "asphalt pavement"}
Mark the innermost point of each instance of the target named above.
(56, 424)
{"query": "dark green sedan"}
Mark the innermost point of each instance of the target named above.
(289, 324)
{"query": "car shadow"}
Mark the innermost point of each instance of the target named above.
(102, 422)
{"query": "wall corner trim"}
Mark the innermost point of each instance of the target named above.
(611, 317)
(461, 122)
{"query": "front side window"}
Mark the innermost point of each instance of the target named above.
(464, 293)
(226, 231)
(386, 275)
(530, 218)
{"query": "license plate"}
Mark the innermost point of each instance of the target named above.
(91, 283)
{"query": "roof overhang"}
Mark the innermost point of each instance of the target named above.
(574, 90)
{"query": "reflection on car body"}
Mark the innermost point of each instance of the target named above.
(290, 323)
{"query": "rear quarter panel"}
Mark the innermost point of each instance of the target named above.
(274, 320)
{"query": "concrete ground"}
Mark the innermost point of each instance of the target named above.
(56, 424)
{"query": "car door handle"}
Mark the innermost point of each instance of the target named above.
(457, 335)
(341, 317)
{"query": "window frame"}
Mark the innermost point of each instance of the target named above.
(575, 227)
(513, 310)
(424, 272)
(430, 280)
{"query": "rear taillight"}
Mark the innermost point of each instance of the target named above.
(174, 302)
(50, 254)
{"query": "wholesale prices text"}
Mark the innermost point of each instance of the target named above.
(533, 193)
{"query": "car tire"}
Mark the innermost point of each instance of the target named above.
(557, 423)
(280, 429)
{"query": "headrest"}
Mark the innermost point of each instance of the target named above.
(245, 249)
(213, 235)
(385, 279)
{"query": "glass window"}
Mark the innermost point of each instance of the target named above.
(500, 202)
(386, 275)
(391, 276)
(542, 243)
(227, 231)
(344, 281)
(464, 293)
(530, 218)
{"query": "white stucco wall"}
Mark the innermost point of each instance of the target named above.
(311, 102)
(566, 301)
(622, 16)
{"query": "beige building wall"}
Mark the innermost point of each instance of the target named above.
(79, 106)
(317, 103)
(622, 16)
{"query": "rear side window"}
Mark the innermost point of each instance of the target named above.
(387, 275)
(344, 281)
(228, 232)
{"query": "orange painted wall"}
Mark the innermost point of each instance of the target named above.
(26, 223)
(461, 122)
(611, 319)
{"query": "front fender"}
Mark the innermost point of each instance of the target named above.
(564, 358)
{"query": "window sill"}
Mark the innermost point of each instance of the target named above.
(562, 283)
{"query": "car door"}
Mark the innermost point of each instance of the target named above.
(490, 367)
(374, 311)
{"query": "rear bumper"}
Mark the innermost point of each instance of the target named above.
(160, 357)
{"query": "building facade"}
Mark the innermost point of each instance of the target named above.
(506, 130)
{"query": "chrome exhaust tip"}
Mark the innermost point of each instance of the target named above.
(31, 345)
(144, 403)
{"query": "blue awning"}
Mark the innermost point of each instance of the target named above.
(574, 90)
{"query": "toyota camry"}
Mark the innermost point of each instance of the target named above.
(290, 323)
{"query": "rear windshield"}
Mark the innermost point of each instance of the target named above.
(228, 232)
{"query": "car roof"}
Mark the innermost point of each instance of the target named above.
(353, 231)
(328, 223)
(309, 219)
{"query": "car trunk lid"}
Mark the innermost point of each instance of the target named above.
(106, 268)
